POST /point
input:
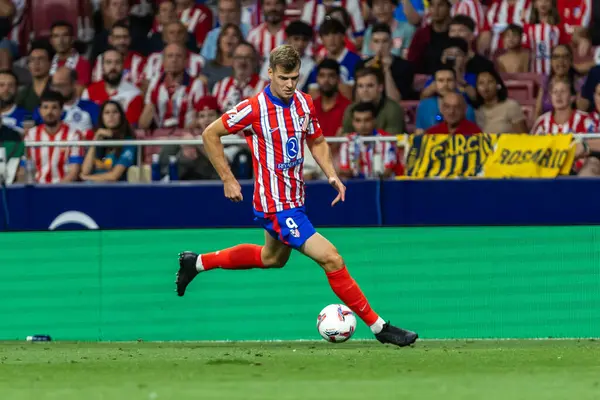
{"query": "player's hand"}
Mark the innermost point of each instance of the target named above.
(233, 190)
(341, 189)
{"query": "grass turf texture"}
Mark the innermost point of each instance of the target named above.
(539, 369)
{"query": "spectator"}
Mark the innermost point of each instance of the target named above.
(473, 10)
(171, 94)
(230, 36)
(62, 38)
(497, 113)
(39, 67)
(114, 87)
(81, 115)
(198, 18)
(271, 33)
(463, 27)
(54, 164)
(563, 118)
(455, 55)
(12, 115)
(366, 160)
(515, 59)
(411, 11)
(401, 32)
(299, 35)
(158, 37)
(133, 66)
(244, 82)
(428, 111)
(500, 14)
(6, 63)
(174, 33)
(192, 161)
(369, 88)
(585, 101)
(429, 41)
(7, 12)
(314, 12)
(561, 68)
(397, 72)
(330, 105)
(332, 34)
(118, 11)
(229, 12)
(109, 164)
(595, 114)
(455, 122)
(339, 14)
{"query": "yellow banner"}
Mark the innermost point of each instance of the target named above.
(488, 155)
(526, 156)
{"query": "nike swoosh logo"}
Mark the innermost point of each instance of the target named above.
(273, 130)
(363, 308)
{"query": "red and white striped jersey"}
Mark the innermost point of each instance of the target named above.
(154, 65)
(126, 94)
(579, 122)
(313, 13)
(229, 92)
(541, 39)
(133, 68)
(473, 9)
(198, 20)
(501, 14)
(359, 158)
(276, 133)
(594, 123)
(51, 163)
(263, 41)
(175, 107)
(575, 13)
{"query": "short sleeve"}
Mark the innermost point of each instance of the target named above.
(240, 117)
(127, 157)
(314, 128)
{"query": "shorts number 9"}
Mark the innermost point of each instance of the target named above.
(290, 223)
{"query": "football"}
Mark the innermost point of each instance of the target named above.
(336, 323)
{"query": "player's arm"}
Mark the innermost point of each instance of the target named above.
(322, 155)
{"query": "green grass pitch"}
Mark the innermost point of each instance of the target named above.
(532, 370)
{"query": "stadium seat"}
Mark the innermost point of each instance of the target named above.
(521, 91)
(410, 114)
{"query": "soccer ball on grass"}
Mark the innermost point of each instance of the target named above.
(336, 323)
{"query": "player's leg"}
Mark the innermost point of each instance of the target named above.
(345, 287)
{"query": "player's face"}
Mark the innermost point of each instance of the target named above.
(487, 86)
(363, 122)
(111, 117)
(300, 43)
(368, 89)
(597, 98)
(383, 10)
(175, 33)
(205, 118)
(50, 112)
(62, 83)
(112, 67)
(381, 44)
(445, 82)
(560, 95)
(229, 12)
(229, 41)
(174, 59)
(39, 63)
(273, 11)
(61, 39)
(328, 81)
(8, 90)
(120, 39)
(561, 61)
(284, 83)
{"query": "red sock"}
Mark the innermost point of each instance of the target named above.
(243, 256)
(348, 291)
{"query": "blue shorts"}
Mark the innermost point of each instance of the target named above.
(290, 227)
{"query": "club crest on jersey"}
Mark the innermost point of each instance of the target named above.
(76, 116)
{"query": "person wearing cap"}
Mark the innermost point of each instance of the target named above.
(401, 32)
(455, 56)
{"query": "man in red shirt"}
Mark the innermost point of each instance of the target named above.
(62, 39)
(454, 111)
(331, 104)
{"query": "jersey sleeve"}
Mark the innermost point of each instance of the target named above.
(538, 127)
(314, 128)
(76, 153)
(240, 117)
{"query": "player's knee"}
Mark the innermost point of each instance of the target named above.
(274, 260)
(332, 261)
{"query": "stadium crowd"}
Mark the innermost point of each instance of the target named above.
(119, 69)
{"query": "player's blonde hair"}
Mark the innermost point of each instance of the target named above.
(284, 56)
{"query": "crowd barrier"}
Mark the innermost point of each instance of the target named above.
(427, 202)
(467, 282)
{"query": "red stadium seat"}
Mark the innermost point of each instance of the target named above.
(521, 91)
(410, 114)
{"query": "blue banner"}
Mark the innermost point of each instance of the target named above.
(562, 201)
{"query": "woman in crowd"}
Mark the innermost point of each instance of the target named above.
(561, 68)
(109, 164)
(221, 67)
(496, 113)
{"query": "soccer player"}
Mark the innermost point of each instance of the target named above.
(276, 123)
